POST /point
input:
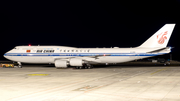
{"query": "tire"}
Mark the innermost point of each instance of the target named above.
(86, 67)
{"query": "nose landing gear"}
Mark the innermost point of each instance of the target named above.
(19, 64)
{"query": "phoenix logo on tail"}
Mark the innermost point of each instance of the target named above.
(162, 37)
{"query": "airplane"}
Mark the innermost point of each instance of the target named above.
(63, 56)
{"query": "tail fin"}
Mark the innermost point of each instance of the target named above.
(160, 38)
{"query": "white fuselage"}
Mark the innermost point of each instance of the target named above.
(70, 56)
(49, 54)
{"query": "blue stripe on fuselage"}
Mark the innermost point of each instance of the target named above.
(82, 54)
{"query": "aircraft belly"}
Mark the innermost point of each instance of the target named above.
(29, 59)
(112, 59)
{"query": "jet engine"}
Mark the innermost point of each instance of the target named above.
(61, 64)
(76, 62)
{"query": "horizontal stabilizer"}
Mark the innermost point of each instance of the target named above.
(158, 50)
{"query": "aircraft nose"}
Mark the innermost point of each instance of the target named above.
(8, 55)
(5, 55)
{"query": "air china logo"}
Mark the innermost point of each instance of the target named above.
(162, 37)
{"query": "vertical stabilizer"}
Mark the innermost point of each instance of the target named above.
(160, 38)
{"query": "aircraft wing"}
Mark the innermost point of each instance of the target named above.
(96, 56)
(85, 58)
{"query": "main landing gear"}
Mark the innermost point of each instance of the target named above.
(87, 66)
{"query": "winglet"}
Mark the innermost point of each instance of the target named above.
(160, 38)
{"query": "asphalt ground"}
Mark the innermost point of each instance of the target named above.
(102, 83)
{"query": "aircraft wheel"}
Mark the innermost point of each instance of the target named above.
(89, 67)
(78, 67)
(86, 67)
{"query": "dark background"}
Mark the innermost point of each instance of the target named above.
(86, 23)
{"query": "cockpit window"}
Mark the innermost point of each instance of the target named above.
(15, 48)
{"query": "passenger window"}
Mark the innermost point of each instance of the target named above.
(72, 50)
(67, 50)
(64, 50)
(76, 50)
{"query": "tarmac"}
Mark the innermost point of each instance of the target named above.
(102, 83)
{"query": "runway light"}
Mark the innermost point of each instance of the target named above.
(29, 44)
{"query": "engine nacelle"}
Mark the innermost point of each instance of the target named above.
(61, 63)
(76, 62)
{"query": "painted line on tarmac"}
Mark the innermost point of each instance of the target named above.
(95, 88)
(38, 74)
(159, 70)
(45, 92)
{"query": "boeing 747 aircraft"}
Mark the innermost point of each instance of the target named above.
(63, 56)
